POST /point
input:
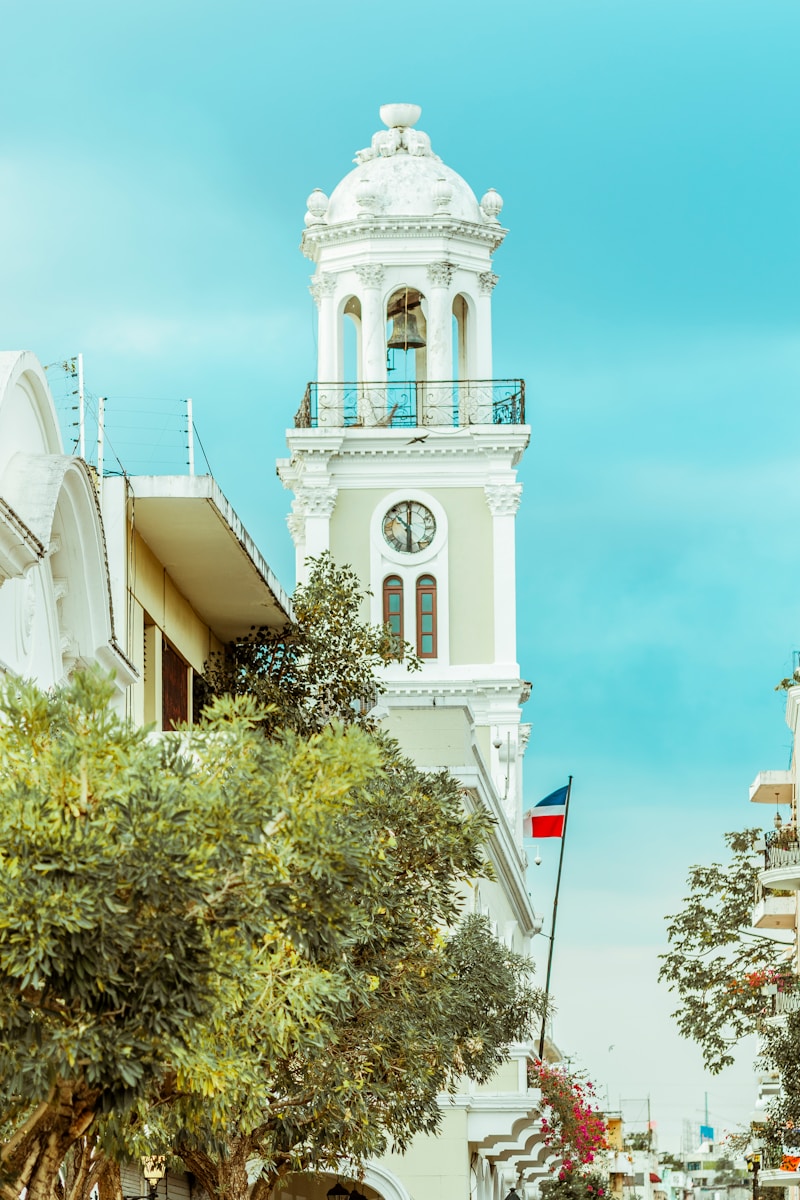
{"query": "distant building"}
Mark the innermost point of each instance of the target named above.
(775, 908)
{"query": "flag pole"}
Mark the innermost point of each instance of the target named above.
(553, 925)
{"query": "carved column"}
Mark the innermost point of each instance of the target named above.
(310, 523)
(373, 341)
(330, 403)
(483, 340)
(503, 500)
(440, 322)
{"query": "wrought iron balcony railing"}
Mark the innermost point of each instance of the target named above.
(404, 405)
(782, 849)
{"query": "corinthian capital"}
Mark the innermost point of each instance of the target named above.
(441, 273)
(486, 282)
(322, 285)
(503, 498)
(316, 501)
(370, 274)
(297, 527)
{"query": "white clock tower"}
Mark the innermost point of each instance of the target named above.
(403, 464)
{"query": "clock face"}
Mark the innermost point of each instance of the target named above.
(409, 526)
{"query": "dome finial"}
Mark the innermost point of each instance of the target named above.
(400, 116)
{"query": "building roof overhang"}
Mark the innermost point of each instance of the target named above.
(194, 532)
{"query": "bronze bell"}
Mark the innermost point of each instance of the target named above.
(405, 334)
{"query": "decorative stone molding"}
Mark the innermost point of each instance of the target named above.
(487, 281)
(371, 275)
(441, 273)
(390, 227)
(317, 206)
(316, 502)
(297, 527)
(400, 137)
(491, 205)
(321, 285)
(503, 498)
(26, 611)
(442, 194)
(367, 198)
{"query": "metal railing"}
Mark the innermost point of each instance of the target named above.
(411, 405)
(781, 850)
(783, 1003)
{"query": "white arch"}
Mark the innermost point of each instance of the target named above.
(385, 1183)
(28, 418)
(54, 495)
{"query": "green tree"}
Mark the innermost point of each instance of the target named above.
(429, 1000)
(716, 963)
(780, 1052)
(151, 890)
(322, 666)
(241, 943)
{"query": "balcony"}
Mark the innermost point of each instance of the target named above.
(773, 912)
(781, 860)
(396, 404)
(783, 1004)
(772, 787)
(781, 1167)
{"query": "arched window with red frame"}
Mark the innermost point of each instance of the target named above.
(393, 605)
(426, 616)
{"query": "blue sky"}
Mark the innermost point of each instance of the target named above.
(154, 163)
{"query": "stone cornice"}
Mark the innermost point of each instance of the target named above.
(377, 228)
(416, 688)
(428, 442)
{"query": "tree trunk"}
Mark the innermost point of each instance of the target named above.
(33, 1154)
(87, 1167)
(223, 1178)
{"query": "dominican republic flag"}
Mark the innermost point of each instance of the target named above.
(546, 819)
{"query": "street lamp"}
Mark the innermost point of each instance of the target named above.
(337, 1192)
(154, 1169)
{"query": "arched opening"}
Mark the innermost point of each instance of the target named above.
(393, 605)
(462, 359)
(350, 356)
(426, 616)
(406, 353)
(460, 329)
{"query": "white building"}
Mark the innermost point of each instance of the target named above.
(405, 466)
(145, 576)
(778, 912)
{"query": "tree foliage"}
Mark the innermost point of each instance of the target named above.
(152, 890)
(780, 1052)
(241, 943)
(429, 999)
(575, 1185)
(323, 666)
(715, 963)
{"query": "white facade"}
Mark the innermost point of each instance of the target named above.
(128, 575)
(55, 593)
(413, 482)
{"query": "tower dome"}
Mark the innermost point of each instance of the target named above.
(398, 175)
